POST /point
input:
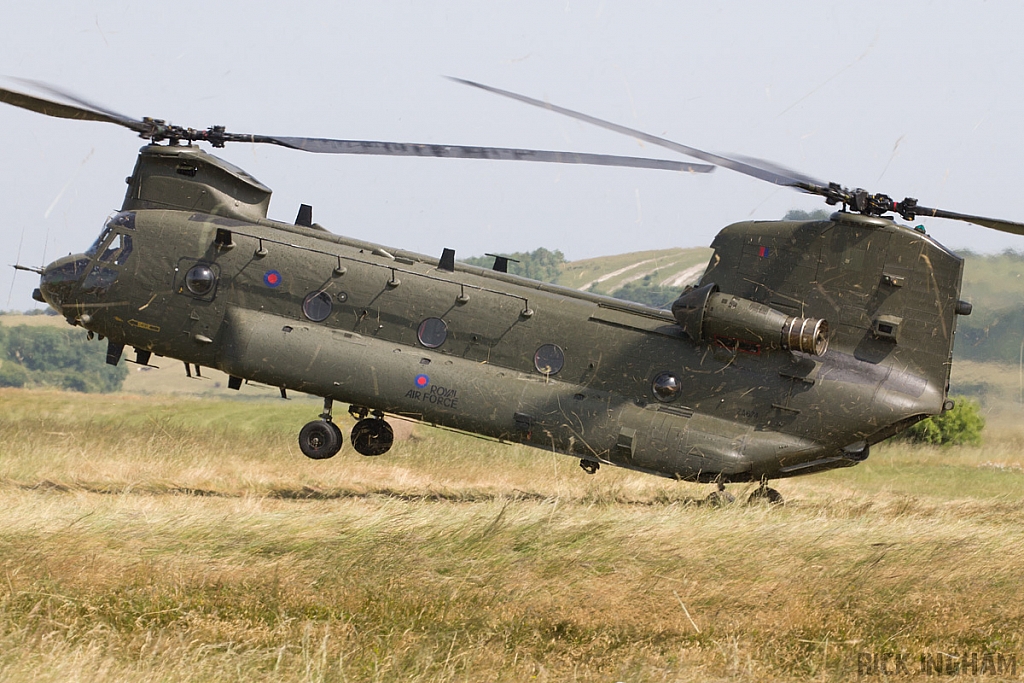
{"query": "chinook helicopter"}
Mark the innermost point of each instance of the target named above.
(803, 344)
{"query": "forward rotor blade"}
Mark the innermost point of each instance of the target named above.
(330, 146)
(751, 167)
(84, 111)
(50, 108)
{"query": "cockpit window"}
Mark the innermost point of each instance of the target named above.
(118, 250)
(99, 280)
(115, 249)
(124, 221)
(94, 249)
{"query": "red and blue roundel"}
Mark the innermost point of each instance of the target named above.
(422, 381)
(272, 278)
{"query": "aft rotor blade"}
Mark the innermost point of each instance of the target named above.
(404, 149)
(751, 167)
(857, 200)
(999, 224)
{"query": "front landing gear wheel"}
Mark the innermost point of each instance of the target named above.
(337, 432)
(765, 495)
(372, 436)
(320, 440)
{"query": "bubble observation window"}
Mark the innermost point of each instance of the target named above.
(317, 306)
(667, 387)
(432, 332)
(549, 359)
(200, 279)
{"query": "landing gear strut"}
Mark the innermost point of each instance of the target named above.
(321, 439)
(371, 435)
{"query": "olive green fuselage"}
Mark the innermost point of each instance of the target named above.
(519, 360)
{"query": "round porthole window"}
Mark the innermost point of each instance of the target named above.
(667, 387)
(549, 359)
(432, 332)
(317, 306)
(200, 279)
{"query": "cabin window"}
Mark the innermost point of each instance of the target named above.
(667, 387)
(432, 332)
(549, 359)
(200, 279)
(317, 306)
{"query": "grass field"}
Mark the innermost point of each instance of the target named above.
(161, 538)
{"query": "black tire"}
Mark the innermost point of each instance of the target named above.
(320, 440)
(337, 431)
(765, 495)
(372, 436)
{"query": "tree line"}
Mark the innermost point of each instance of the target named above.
(43, 356)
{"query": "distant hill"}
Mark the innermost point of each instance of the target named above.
(994, 285)
(652, 277)
(669, 269)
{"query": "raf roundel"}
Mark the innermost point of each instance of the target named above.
(422, 381)
(272, 278)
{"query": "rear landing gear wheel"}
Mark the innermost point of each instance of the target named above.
(372, 436)
(767, 495)
(320, 440)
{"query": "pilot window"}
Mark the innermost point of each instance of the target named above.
(118, 251)
(100, 241)
(113, 249)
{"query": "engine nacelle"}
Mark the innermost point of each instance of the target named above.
(706, 314)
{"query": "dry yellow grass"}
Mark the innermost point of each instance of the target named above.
(152, 538)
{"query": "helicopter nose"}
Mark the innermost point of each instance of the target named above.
(58, 281)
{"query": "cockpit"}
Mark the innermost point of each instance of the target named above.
(95, 271)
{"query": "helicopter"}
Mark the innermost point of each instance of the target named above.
(803, 344)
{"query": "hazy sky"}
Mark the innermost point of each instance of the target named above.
(920, 99)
